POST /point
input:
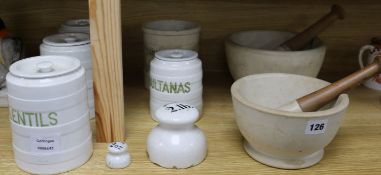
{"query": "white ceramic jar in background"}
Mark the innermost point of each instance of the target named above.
(375, 81)
(76, 45)
(176, 76)
(168, 34)
(49, 114)
(176, 142)
(75, 26)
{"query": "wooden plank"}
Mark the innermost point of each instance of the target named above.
(106, 42)
(354, 151)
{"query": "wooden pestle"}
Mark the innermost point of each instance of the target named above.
(316, 100)
(300, 40)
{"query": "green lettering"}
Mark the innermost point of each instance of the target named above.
(22, 115)
(160, 82)
(36, 117)
(180, 88)
(53, 118)
(172, 87)
(42, 121)
(165, 87)
(21, 120)
(187, 87)
(153, 83)
(13, 114)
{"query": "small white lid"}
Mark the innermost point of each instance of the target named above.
(77, 23)
(177, 114)
(176, 55)
(117, 147)
(44, 66)
(67, 39)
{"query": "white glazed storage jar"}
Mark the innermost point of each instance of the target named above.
(75, 26)
(49, 114)
(168, 34)
(176, 76)
(76, 45)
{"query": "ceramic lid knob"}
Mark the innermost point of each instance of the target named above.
(70, 39)
(176, 55)
(66, 40)
(45, 66)
(118, 156)
(177, 114)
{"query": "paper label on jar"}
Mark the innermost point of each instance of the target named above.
(45, 143)
(316, 127)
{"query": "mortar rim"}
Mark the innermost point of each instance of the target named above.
(341, 106)
(229, 41)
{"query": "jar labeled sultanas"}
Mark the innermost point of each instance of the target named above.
(176, 76)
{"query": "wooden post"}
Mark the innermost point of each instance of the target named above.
(106, 43)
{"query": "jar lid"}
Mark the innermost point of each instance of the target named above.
(117, 147)
(77, 23)
(177, 114)
(44, 66)
(176, 55)
(171, 27)
(67, 39)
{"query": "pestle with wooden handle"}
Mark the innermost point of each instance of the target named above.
(316, 100)
(300, 40)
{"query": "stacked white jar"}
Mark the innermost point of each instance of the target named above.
(76, 45)
(49, 114)
(75, 26)
(176, 76)
(168, 34)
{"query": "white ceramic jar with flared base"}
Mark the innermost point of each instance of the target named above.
(118, 156)
(176, 142)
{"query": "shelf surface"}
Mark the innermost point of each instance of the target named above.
(356, 148)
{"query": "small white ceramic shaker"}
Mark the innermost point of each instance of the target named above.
(118, 156)
(176, 142)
